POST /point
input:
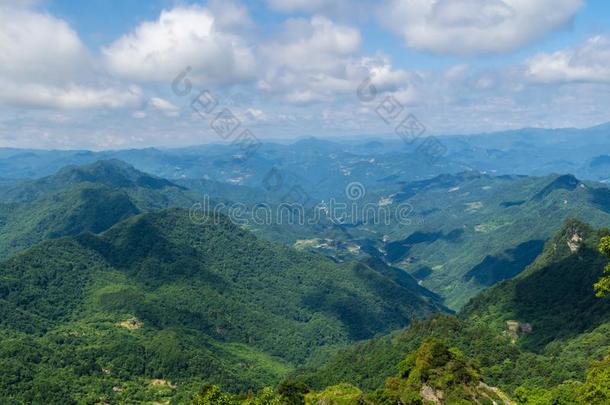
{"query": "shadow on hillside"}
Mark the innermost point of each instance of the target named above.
(559, 299)
(505, 265)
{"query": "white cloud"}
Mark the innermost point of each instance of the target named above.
(307, 63)
(33, 95)
(475, 26)
(34, 45)
(43, 64)
(313, 44)
(316, 59)
(588, 62)
(298, 5)
(254, 114)
(165, 107)
(184, 36)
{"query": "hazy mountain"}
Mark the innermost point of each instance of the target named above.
(313, 162)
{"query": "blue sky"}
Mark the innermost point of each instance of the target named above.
(99, 76)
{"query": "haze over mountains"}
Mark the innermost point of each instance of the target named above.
(581, 152)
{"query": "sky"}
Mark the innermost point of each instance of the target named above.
(113, 74)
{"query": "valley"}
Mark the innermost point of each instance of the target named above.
(110, 281)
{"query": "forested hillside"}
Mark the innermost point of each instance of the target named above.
(540, 337)
(92, 317)
(77, 199)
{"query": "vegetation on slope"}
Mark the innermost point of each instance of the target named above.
(555, 295)
(602, 287)
(78, 199)
(101, 317)
(563, 331)
(434, 373)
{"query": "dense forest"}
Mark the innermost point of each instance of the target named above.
(109, 295)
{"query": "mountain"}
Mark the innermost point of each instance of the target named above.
(159, 298)
(554, 296)
(323, 166)
(464, 232)
(534, 336)
(433, 374)
(470, 230)
(78, 199)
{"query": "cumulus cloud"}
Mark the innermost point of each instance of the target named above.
(44, 64)
(194, 36)
(588, 62)
(475, 26)
(298, 5)
(33, 95)
(318, 6)
(165, 107)
(316, 59)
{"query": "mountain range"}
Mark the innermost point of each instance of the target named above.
(112, 292)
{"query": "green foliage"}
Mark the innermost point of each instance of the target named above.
(560, 279)
(293, 392)
(602, 287)
(158, 297)
(368, 364)
(156, 306)
(212, 395)
(436, 366)
(547, 365)
(90, 198)
(431, 372)
(596, 389)
(342, 394)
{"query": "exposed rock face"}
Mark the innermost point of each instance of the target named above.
(431, 395)
(514, 328)
(500, 397)
(574, 242)
(131, 324)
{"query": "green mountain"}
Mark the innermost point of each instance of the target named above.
(467, 230)
(534, 336)
(554, 296)
(102, 317)
(471, 230)
(433, 374)
(77, 199)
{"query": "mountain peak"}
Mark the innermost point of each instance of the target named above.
(113, 172)
(567, 182)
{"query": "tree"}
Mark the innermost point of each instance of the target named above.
(602, 287)
(293, 392)
(596, 390)
(213, 395)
